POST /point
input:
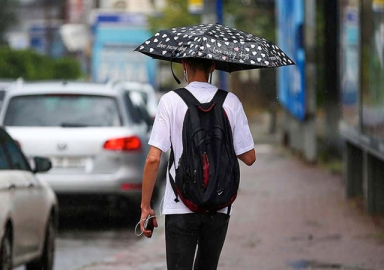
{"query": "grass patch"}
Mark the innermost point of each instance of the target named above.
(335, 167)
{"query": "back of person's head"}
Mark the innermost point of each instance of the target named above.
(195, 64)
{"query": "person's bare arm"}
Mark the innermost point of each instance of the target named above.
(248, 157)
(149, 179)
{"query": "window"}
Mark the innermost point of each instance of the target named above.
(2, 94)
(11, 157)
(4, 165)
(17, 159)
(64, 110)
(350, 61)
(373, 69)
(133, 109)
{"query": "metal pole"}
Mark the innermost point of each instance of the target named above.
(332, 106)
(310, 144)
(47, 26)
(220, 20)
(219, 11)
(209, 13)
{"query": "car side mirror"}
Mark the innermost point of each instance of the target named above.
(42, 164)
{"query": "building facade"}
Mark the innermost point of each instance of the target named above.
(361, 58)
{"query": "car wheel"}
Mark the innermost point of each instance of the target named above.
(6, 251)
(45, 262)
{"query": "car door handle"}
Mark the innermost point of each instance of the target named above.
(11, 186)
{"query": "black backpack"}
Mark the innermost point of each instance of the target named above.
(208, 174)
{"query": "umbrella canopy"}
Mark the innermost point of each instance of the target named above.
(231, 49)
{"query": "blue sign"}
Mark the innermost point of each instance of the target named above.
(291, 80)
(113, 58)
(122, 18)
(350, 62)
(38, 34)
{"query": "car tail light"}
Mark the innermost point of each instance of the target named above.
(123, 144)
(127, 186)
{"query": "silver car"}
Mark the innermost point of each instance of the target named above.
(92, 133)
(3, 85)
(149, 96)
(28, 210)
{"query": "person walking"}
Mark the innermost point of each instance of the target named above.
(193, 239)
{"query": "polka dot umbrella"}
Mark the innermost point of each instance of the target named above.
(230, 48)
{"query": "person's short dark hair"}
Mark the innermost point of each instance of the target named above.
(199, 64)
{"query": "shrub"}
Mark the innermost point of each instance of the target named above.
(66, 68)
(33, 66)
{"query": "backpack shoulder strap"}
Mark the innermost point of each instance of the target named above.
(187, 97)
(190, 99)
(192, 104)
(171, 179)
(219, 97)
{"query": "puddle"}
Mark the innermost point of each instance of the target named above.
(313, 223)
(311, 237)
(307, 265)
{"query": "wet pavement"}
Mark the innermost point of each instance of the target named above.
(289, 215)
(81, 244)
(87, 237)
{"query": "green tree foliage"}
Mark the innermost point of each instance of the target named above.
(258, 18)
(66, 68)
(248, 16)
(33, 66)
(252, 17)
(7, 16)
(175, 14)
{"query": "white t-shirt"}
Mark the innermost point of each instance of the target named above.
(168, 126)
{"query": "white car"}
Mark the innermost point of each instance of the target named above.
(93, 134)
(149, 95)
(28, 210)
(3, 85)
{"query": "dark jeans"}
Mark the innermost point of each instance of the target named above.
(183, 232)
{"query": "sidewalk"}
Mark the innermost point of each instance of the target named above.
(288, 215)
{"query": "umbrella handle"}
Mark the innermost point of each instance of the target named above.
(173, 73)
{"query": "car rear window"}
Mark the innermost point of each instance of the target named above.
(62, 110)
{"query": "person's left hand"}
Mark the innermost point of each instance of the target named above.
(144, 215)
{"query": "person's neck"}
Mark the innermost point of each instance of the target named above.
(197, 77)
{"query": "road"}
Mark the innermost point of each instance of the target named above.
(289, 215)
(83, 240)
(86, 238)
